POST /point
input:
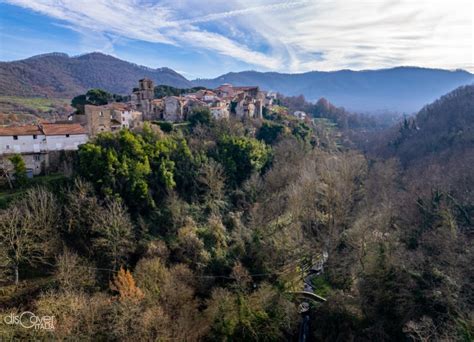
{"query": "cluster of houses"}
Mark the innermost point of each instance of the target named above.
(224, 101)
(37, 143)
(40, 144)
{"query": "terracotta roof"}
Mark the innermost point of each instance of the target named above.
(61, 129)
(195, 100)
(20, 130)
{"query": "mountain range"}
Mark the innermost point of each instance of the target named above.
(401, 89)
(60, 76)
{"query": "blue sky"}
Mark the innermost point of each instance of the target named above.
(211, 37)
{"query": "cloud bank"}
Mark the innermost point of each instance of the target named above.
(291, 36)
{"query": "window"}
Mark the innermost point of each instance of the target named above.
(101, 114)
(35, 136)
(15, 137)
(67, 135)
(37, 157)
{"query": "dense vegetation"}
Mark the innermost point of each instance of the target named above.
(95, 97)
(166, 90)
(201, 232)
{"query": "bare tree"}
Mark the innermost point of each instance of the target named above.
(114, 231)
(27, 230)
(423, 330)
(213, 180)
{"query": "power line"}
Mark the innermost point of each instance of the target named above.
(192, 276)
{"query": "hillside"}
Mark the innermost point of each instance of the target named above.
(446, 125)
(403, 89)
(209, 231)
(60, 76)
(435, 148)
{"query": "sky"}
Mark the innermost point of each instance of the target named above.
(207, 38)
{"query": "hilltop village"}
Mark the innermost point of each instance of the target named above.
(222, 102)
(43, 145)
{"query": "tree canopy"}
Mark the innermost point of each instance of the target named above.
(96, 97)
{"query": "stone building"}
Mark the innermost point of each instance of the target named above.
(142, 98)
(225, 90)
(96, 119)
(174, 109)
(220, 111)
(248, 106)
(158, 109)
(245, 102)
(108, 118)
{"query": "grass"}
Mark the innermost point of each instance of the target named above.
(321, 286)
(40, 104)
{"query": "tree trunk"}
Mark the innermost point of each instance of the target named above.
(17, 276)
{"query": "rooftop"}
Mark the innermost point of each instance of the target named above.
(20, 130)
(61, 129)
(43, 129)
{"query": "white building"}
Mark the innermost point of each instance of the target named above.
(63, 137)
(34, 142)
(300, 114)
(125, 115)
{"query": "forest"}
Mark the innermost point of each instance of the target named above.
(202, 232)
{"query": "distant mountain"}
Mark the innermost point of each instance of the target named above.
(58, 75)
(402, 89)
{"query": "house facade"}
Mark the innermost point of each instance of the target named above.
(108, 118)
(174, 109)
(35, 142)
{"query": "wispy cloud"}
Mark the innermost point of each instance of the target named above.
(298, 35)
(279, 6)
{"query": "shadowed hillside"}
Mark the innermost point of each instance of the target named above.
(60, 76)
(445, 125)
